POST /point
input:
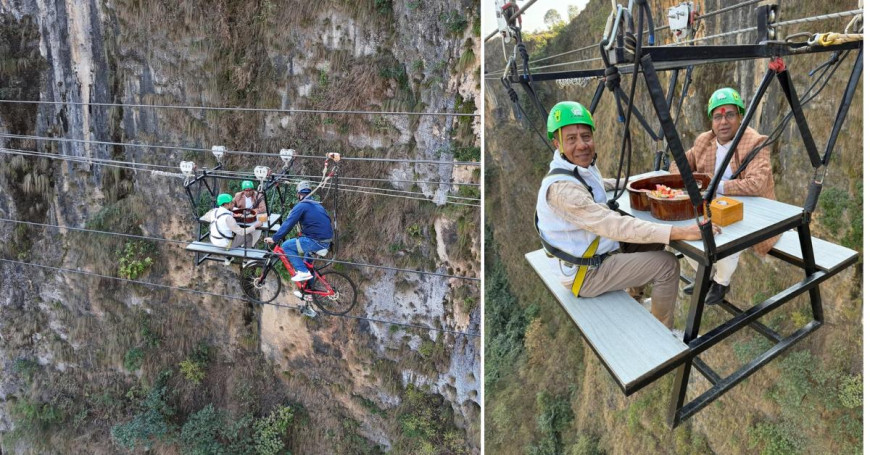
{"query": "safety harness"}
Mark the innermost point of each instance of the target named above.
(215, 229)
(589, 258)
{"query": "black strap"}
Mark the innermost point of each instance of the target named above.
(218, 228)
(594, 261)
(575, 174)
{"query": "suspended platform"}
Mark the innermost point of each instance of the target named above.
(636, 349)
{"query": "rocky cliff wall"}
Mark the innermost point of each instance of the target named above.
(80, 353)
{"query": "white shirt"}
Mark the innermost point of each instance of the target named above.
(721, 151)
(249, 202)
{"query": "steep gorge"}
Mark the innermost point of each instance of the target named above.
(807, 401)
(91, 363)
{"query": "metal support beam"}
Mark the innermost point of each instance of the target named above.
(806, 241)
(716, 335)
(845, 103)
(693, 324)
(672, 57)
(706, 371)
(801, 121)
(738, 376)
(676, 146)
(762, 329)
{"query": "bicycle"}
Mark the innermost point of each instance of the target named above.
(333, 292)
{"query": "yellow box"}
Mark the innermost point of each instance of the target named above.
(726, 211)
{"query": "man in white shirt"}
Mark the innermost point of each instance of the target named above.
(595, 249)
(225, 232)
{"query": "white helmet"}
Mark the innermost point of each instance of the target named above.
(303, 187)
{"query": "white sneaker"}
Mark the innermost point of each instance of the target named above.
(301, 276)
(308, 311)
(297, 293)
(228, 260)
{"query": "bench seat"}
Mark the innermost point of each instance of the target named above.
(633, 345)
(208, 248)
(828, 256)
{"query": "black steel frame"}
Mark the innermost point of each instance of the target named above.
(655, 59)
(207, 178)
(680, 410)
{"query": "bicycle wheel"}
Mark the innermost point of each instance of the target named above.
(262, 292)
(344, 297)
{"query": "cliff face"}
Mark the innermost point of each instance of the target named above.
(85, 356)
(570, 402)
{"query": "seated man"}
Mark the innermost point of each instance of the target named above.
(249, 199)
(225, 232)
(574, 219)
(316, 229)
(725, 110)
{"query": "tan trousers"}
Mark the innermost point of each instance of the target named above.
(636, 266)
(246, 241)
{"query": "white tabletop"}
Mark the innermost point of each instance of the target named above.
(758, 213)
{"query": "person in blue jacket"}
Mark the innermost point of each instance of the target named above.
(316, 229)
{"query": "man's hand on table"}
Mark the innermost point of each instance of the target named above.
(692, 232)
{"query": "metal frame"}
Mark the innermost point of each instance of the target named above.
(679, 57)
(679, 409)
(654, 59)
(202, 181)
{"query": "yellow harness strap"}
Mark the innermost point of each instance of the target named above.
(581, 269)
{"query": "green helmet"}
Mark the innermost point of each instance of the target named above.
(568, 113)
(247, 185)
(223, 198)
(722, 97)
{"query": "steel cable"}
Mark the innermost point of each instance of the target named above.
(239, 175)
(183, 242)
(230, 297)
(240, 109)
(230, 152)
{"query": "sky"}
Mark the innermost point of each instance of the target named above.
(533, 18)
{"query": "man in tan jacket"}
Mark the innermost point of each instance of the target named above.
(725, 109)
(249, 199)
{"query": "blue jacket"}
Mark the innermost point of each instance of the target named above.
(316, 224)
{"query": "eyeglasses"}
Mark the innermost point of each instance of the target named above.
(728, 115)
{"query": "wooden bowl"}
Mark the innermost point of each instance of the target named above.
(664, 208)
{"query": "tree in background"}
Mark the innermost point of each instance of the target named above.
(552, 18)
(573, 11)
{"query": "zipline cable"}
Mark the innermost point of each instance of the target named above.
(241, 109)
(705, 38)
(230, 152)
(182, 242)
(231, 297)
(240, 175)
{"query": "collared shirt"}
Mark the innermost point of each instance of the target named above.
(721, 151)
(574, 203)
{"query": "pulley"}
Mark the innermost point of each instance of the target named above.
(218, 152)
